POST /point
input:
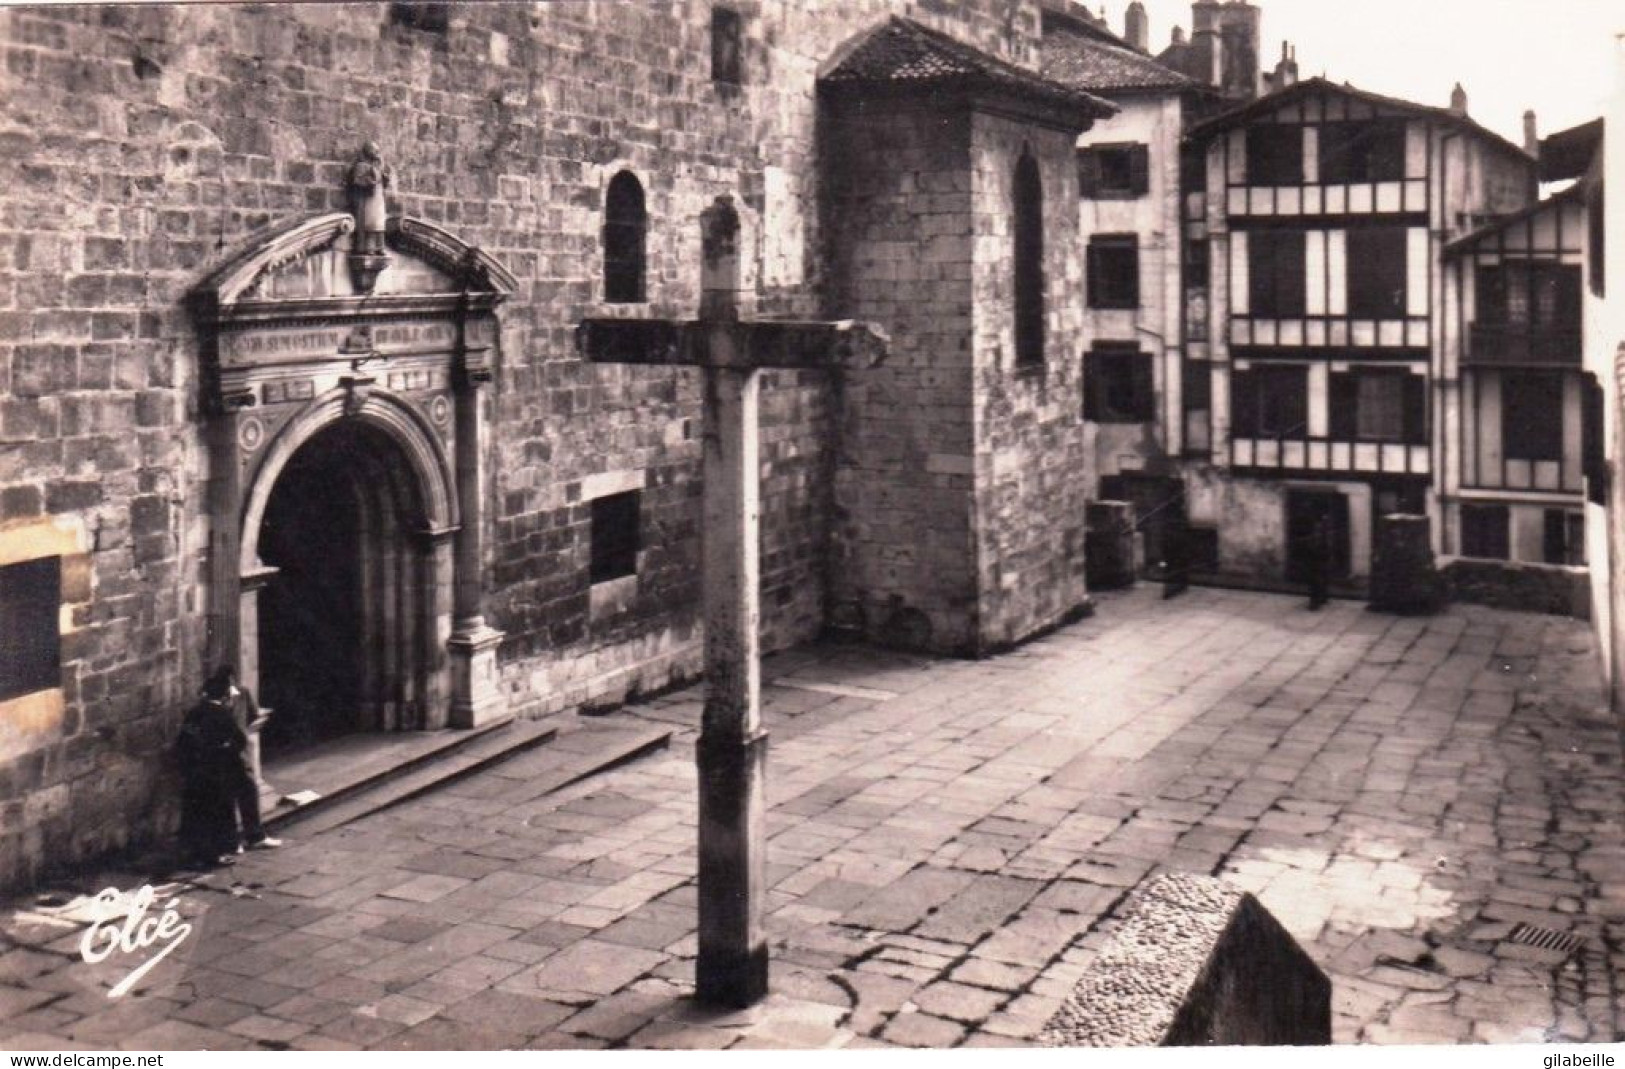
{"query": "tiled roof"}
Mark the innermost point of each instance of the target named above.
(1271, 101)
(901, 52)
(1096, 60)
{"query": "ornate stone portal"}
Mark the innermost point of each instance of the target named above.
(294, 350)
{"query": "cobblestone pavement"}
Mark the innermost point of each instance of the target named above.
(948, 842)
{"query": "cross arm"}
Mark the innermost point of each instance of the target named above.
(741, 344)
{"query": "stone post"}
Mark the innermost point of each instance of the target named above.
(732, 750)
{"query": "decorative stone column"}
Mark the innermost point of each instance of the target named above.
(476, 692)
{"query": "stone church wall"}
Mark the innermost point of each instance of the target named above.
(142, 144)
(1033, 464)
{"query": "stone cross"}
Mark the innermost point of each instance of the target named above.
(732, 750)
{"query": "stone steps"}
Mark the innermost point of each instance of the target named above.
(574, 750)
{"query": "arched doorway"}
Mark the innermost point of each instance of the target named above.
(341, 620)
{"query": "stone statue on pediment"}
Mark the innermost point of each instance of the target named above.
(369, 177)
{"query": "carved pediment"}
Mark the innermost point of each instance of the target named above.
(302, 268)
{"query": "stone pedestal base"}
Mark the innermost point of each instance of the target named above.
(732, 966)
(476, 697)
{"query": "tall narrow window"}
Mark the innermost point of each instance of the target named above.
(1029, 262)
(1376, 270)
(30, 651)
(727, 59)
(1275, 270)
(626, 225)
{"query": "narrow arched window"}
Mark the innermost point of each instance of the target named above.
(626, 226)
(1029, 262)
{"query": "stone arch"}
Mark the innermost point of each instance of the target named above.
(398, 419)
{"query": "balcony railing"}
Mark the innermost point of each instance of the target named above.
(1499, 345)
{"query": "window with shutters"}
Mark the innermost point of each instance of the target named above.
(1118, 384)
(1108, 172)
(1270, 402)
(1376, 272)
(1028, 212)
(1275, 155)
(1378, 405)
(1363, 151)
(1532, 415)
(1275, 273)
(30, 642)
(626, 225)
(1564, 540)
(1114, 271)
(1484, 531)
(615, 536)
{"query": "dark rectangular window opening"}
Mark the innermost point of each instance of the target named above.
(1114, 171)
(1378, 405)
(1118, 386)
(416, 15)
(1532, 415)
(1564, 540)
(1275, 273)
(1484, 532)
(30, 641)
(1376, 271)
(1114, 271)
(1270, 402)
(727, 46)
(1193, 168)
(1596, 246)
(1275, 155)
(615, 536)
(1363, 151)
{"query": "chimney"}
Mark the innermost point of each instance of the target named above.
(1136, 29)
(1240, 45)
(1531, 135)
(1177, 37)
(1458, 100)
(1205, 42)
(1286, 71)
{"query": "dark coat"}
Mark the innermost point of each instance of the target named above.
(211, 750)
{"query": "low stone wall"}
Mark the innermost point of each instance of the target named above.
(1196, 962)
(1554, 589)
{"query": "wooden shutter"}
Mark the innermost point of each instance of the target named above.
(1139, 169)
(1416, 409)
(1343, 404)
(1088, 173)
(1243, 405)
(1145, 401)
(1290, 284)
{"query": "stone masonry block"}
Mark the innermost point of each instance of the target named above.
(1196, 962)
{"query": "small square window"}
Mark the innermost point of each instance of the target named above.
(1113, 171)
(1275, 155)
(615, 536)
(1484, 532)
(1118, 386)
(727, 46)
(30, 643)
